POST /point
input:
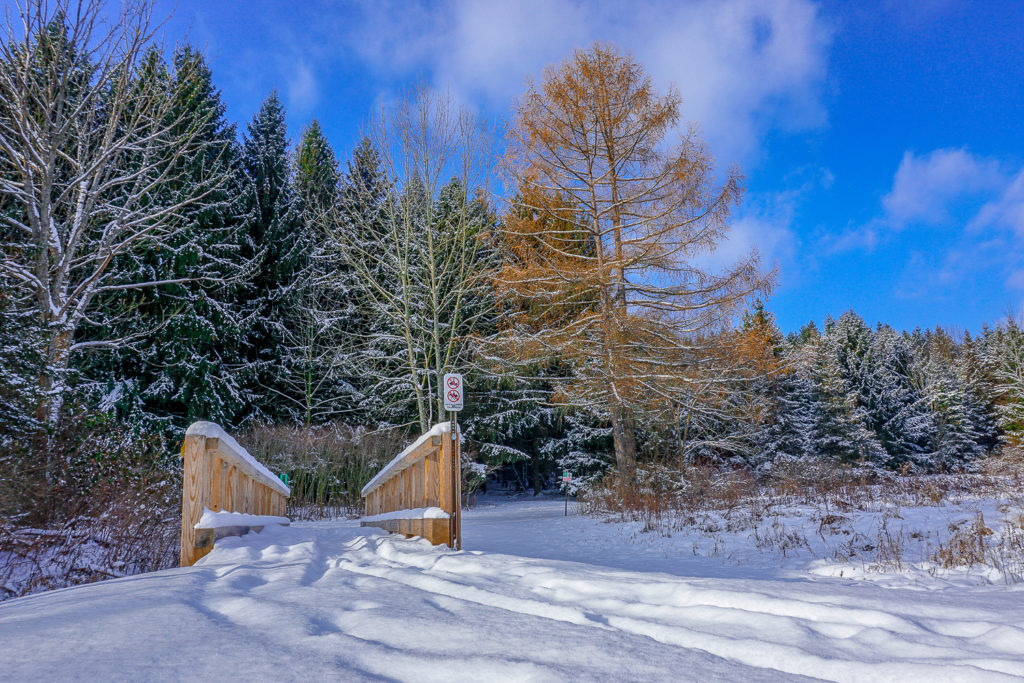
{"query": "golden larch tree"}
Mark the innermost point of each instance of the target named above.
(612, 219)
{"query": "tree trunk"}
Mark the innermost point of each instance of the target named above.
(538, 485)
(624, 438)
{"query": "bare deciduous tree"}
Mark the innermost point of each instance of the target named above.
(90, 144)
(417, 256)
(610, 217)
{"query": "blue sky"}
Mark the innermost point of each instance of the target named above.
(882, 142)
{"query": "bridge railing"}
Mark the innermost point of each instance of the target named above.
(419, 492)
(225, 491)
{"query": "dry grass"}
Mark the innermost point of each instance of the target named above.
(117, 534)
(327, 466)
(95, 500)
(807, 508)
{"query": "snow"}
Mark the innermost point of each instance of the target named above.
(539, 596)
(217, 520)
(437, 430)
(213, 431)
(414, 513)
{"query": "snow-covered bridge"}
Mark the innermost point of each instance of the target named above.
(331, 600)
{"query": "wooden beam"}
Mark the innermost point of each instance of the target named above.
(193, 500)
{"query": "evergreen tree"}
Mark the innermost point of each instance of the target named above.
(184, 369)
(273, 239)
(367, 343)
(897, 408)
(876, 369)
(309, 381)
(20, 355)
(964, 426)
(581, 444)
(1003, 359)
(316, 175)
(791, 425)
(841, 431)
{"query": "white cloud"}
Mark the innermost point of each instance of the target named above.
(742, 67)
(863, 237)
(771, 236)
(926, 187)
(1005, 211)
(302, 88)
(766, 224)
(943, 187)
(1015, 280)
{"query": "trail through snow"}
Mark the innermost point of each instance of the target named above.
(335, 601)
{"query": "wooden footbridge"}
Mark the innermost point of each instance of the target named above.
(227, 492)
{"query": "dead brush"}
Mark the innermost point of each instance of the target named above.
(1008, 554)
(779, 538)
(115, 534)
(327, 465)
(889, 547)
(966, 547)
(712, 501)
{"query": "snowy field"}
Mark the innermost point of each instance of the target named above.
(538, 597)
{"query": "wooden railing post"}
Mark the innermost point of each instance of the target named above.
(425, 475)
(220, 476)
(193, 501)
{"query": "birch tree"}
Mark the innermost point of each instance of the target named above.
(88, 139)
(417, 255)
(616, 218)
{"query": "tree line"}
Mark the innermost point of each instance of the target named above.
(161, 267)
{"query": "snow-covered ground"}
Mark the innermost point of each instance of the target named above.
(538, 596)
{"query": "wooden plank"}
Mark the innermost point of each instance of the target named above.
(407, 478)
(223, 494)
(430, 480)
(435, 531)
(421, 475)
(457, 473)
(192, 503)
(229, 495)
(239, 490)
(445, 488)
(213, 501)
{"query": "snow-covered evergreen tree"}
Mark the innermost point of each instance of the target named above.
(841, 431)
(897, 408)
(310, 378)
(184, 369)
(1003, 358)
(20, 356)
(581, 443)
(791, 425)
(964, 425)
(273, 238)
(876, 369)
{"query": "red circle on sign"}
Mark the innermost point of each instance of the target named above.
(453, 396)
(453, 382)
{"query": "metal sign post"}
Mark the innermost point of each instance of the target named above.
(454, 400)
